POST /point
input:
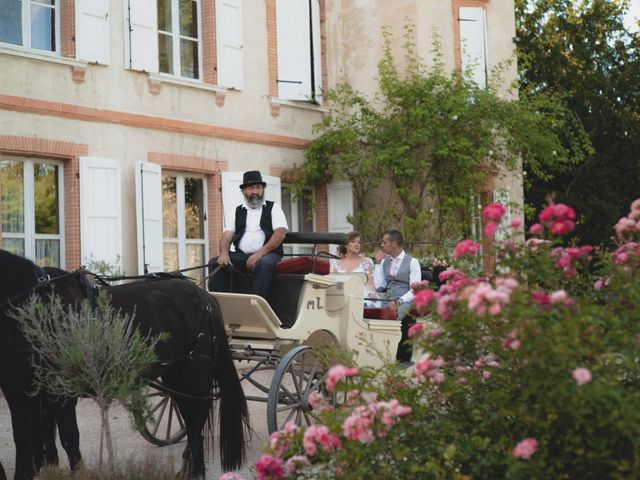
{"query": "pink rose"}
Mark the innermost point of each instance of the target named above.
(525, 449)
(494, 212)
(231, 476)
(490, 229)
(423, 298)
(535, 228)
(337, 373)
(516, 223)
(581, 375)
(269, 467)
(466, 247)
(415, 329)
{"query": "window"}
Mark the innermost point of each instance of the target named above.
(473, 44)
(30, 23)
(300, 219)
(31, 208)
(299, 50)
(178, 37)
(184, 221)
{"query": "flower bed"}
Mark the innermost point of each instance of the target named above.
(533, 373)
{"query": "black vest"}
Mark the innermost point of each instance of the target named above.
(265, 225)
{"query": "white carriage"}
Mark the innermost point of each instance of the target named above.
(280, 333)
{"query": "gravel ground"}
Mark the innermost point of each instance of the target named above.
(130, 445)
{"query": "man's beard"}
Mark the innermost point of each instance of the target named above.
(254, 200)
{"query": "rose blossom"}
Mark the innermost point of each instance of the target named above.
(337, 373)
(415, 329)
(581, 375)
(466, 247)
(269, 467)
(230, 476)
(525, 449)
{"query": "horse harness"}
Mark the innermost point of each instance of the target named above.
(94, 286)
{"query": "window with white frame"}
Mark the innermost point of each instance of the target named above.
(30, 23)
(299, 50)
(31, 193)
(184, 222)
(179, 38)
(299, 216)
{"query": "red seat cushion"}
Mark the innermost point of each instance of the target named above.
(303, 265)
(385, 313)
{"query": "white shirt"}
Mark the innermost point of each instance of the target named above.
(415, 275)
(254, 237)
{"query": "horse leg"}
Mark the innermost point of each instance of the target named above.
(48, 429)
(22, 435)
(65, 416)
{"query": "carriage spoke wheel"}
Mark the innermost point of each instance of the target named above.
(298, 374)
(166, 425)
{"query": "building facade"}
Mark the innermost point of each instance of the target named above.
(125, 125)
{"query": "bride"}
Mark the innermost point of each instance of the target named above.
(351, 260)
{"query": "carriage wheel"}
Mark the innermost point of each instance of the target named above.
(298, 374)
(166, 425)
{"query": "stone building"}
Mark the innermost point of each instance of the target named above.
(125, 125)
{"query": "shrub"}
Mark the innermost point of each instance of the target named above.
(531, 373)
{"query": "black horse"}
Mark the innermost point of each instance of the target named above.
(195, 362)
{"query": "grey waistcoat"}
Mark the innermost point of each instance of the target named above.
(398, 285)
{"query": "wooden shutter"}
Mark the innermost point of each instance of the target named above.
(232, 195)
(230, 43)
(339, 206)
(141, 35)
(149, 217)
(100, 210)
(294, 49)
(473, 43)
(317, 51)
(92, 30)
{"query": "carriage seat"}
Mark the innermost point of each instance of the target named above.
(303, 265)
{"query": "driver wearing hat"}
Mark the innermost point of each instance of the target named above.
(257, 231)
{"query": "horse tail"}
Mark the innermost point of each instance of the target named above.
(233, 416)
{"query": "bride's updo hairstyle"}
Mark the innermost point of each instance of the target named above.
(342, 249)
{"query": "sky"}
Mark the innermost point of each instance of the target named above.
(633, 15)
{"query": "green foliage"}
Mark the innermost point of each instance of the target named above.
(494, 377)
(85, 353)
(582, 53)
(416, 151)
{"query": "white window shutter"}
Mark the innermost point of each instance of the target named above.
(92, 30)
(294, 49)
(473, 43)
(339, 206)
(230, 43)
(141, 35)
(149, 217)
(232, 195)
(317, 51)
(100, 211)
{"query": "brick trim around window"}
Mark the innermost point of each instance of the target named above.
(455, 9)
(212, 169)
(209, 42)
(70, 153)
(272, 52)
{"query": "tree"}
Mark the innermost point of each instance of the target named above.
(418, 150)
(581, 52)
(85, 353)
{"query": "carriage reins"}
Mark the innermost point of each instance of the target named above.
(42, 280)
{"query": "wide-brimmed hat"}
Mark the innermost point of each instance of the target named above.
(252, 177)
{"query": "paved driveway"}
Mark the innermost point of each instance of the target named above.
(129, 444)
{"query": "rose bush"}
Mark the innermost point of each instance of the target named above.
(531, 373)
